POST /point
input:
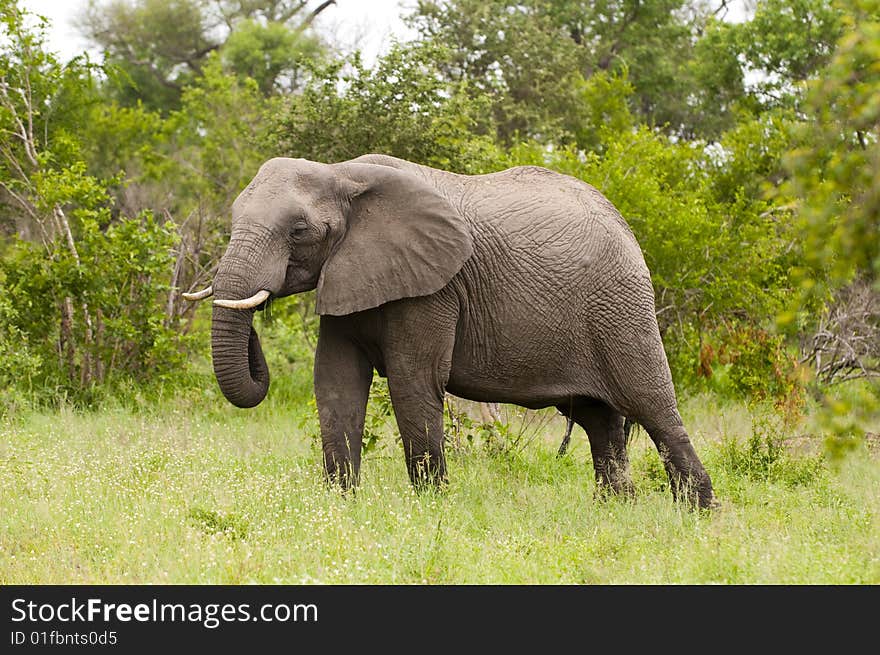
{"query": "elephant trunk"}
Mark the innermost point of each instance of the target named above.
(239, 364)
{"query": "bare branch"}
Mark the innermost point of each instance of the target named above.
(314, 14)
(845, 343)
(22, 201)
(23, 134)
(28, 95)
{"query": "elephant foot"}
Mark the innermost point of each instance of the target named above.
(613, 477)
(341, 477)
(344, 485)
(620, 486)
(688, 478)
(427, 472)
(696, 492)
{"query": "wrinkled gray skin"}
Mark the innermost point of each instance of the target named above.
(524, 286)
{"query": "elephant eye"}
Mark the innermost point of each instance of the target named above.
(299, 228)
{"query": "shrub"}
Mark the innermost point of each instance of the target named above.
(99, 319)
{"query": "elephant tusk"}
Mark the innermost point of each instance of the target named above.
(247, 303)
(198, 295)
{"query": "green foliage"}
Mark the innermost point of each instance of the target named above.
(714, 83)
(510, 57)
(42, 105)
(602, 110)
(288, 334)
(117, 328)
(747, 161)
(740, 360)
(844, 416)
(764, 456)
(379, 413)
(401, 108)
(462, 431)
(530, 56)
(788, 41)
(272, 54)
(155, 45)
(19, 362)
(219, 135)
(682, 84)
(127, 140)
(835, 184)
(87, 297)
(156, 48)
(212, 522)
(835, 173)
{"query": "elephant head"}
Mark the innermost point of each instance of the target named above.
(362, 234)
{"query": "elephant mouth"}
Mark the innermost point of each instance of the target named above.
(298, 279)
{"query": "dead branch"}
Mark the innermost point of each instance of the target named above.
(845, 342)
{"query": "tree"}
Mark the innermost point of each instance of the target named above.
(509, 52)
(32, 82)
(656, 42)
(835, 171)
(273, 54)
(41, 103)
(784, 44)
(530, 55)
(84, 289)
(157, 47)
(402, 107)
(835, 185)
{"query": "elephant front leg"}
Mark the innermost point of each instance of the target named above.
(342, 385)
(419, 410)
(419, 339)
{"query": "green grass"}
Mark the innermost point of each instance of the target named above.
(171, 494)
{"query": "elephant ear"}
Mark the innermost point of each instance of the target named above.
(403, 239)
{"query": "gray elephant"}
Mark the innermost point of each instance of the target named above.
(524, 286)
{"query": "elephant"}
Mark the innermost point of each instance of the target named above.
(523, 286)
(569, 425)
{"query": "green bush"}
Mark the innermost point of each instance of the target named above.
(19, 363)
(97, 320)
(765, 457)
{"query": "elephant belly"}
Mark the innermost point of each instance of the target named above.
(525, 361)
(540, 345)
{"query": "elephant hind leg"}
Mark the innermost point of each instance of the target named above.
(639, 385)
(605, 430)
(687, 476)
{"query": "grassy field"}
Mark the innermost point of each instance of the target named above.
(171, 494)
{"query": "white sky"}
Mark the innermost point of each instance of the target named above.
(368, 25)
